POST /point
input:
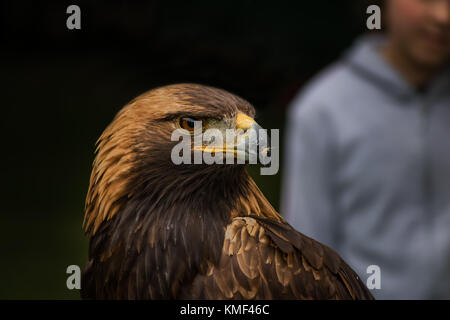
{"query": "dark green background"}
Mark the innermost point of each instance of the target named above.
(60, 88)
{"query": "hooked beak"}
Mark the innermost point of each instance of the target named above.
(254, 144)
(250, 143)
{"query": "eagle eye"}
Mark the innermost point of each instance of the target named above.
(188, 123)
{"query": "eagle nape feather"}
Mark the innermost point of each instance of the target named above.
(158, 230)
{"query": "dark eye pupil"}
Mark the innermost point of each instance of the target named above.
(190, 123)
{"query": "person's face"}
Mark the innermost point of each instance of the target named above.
(421, 29)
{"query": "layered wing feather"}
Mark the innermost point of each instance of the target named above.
(266, 259)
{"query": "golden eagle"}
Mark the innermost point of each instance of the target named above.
(193, 231)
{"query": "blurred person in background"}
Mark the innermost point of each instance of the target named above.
(367, 168)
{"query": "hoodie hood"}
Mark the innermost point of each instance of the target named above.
(365, 59)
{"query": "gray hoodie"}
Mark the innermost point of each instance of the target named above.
(367, 172)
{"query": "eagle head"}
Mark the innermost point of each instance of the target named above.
(134, 156)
